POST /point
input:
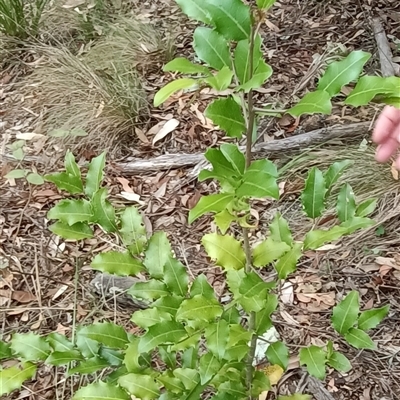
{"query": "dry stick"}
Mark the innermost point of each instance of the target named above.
(273, 148)
(388, 67)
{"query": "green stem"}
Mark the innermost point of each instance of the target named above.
(246, 243)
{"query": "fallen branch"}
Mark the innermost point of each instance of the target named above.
(273, 148)
(316, 388)
(388, 67)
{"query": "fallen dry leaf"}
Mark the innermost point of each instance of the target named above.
(125, 185)
(22, 296)
(168, 127)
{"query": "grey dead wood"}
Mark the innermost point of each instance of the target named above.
(388, 67)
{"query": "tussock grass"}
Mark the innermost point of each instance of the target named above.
(71, 93)
(99, 91)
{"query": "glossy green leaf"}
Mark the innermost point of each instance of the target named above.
(318, 102)
(71, 211)
(217, 336)
(71, 167)
(235, 388)
(213, 203)
(16, 174)
(252, 285)
(58, 358)
(253, 303)
(262, 73)
(359, 339)
(168, 356)
(265, 166)
(238, 334)
(232, 20)
(77, 231)
(288, 262)
(227, 114)
(59, 342)
(234, 156)
(263, 317)
(64, 181)
(278, 354)
(195, 9)
(356, 223)
(339, 362)
(226, 250)
(334, 172)
(259, 185)
(200, 308)
(149, 317)
(30, 346)
(157, 254)
(208, 367)
(170, 88)
(344, 315)
(221, 80)
(242, 58)
(143, 387)
(346, 203)
(107, 333)
(314, 358)
(211, 48)
(370, 86)
(234, 279)
(366, 208)
(104, 212)
(13, 378)
(113, 357)
(265, 5)
(183, 65)
(101, 391)
(176, 277)
(190, 357)
(132, 359)
(149, 290)
(95, 174)
(260, 383)
(169, 304)
(189, 377)
(5, 350)
(114, 262)
(35, 179)
(133, 231)
(315, 239)
(280, 231)
(162, 333)
(222, 168)
(89, 348)
(224, 220)
(236, 353)
(370, 319)
(171, 383)
(200, 286)
(313, 195)
(89, 366)
(340, 73)
(19, 154)
(267, 251)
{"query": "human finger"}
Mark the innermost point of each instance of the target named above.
(386, 149)
(387, 124)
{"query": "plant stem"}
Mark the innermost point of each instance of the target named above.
(246, 243)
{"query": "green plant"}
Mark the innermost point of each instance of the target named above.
(20, 18)
(200, 344)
